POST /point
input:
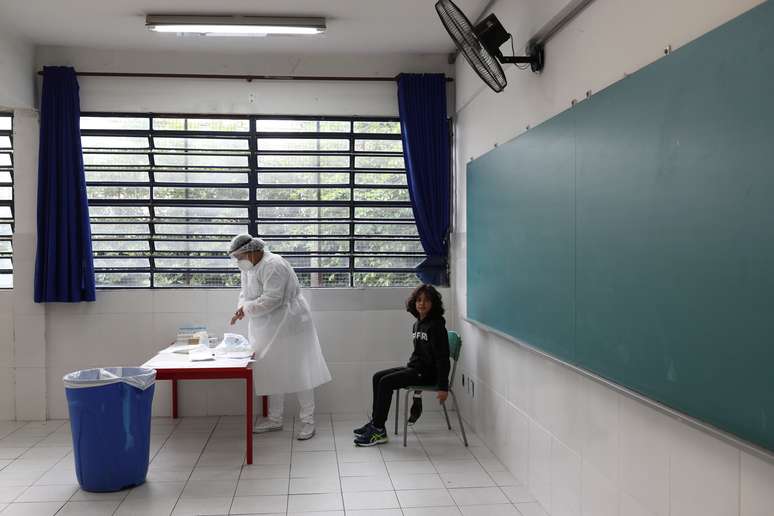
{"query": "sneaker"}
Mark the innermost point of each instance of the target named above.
(363, 429)
(306, 432)
(416, 411)
(267, 425)
(372, 437)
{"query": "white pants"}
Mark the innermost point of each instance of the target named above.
(305, 402)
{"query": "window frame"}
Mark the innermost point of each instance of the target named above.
(8, 203)
(252, 203)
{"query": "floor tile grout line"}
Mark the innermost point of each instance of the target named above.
(488, 474)
(241, 469)
(389, 475)
(430, 458)
(209, 437)
(290, 469)
(37, 478)
(75, 492)
(9, 434)
(150, 459)
(486, 471)
(423, 444)
(42, 438)
(26, 488)
(338, 467)
(169, 436)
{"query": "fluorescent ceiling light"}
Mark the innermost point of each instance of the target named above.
(235, 25)
(234, 30)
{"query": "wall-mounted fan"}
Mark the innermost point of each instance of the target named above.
(480, 44)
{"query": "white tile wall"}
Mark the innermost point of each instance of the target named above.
(29, 340)
(599, 496)
(7, 393)
(521, 381)
(629, 459)
(557, 402)
(704, 475)
(360, 331)
(7, 390)
(30, 393)
(631, 507)
(6, 336)
(565, 480)
(757, 494)
(540, 464)
(600, 428)
(644, 459)
(516, 457)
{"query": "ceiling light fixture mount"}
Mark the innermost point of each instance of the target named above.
(232, 25)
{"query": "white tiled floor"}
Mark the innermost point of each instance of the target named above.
(197, 469)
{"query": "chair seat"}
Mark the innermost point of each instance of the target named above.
(422, 388)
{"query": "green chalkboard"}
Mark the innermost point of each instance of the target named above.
(633, 235)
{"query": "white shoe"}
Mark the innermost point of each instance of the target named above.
(306, 432)
(267, 425)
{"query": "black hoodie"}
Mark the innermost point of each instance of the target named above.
(431, 351)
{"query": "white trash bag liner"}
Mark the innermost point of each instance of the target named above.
(140, 377)
(234, 346)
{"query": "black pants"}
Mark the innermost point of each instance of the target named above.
(385, 382)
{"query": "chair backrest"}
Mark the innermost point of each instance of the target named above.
(455, 346)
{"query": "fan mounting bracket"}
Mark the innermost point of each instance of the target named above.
(535, 58)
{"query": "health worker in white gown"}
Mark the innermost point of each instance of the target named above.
(288, 357)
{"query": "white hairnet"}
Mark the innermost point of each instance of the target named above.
(245, 243)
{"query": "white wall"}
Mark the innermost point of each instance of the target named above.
(580, 447)
(17, 94)
(17, 58)
(361, 329)
(234, 96)
(7, 384)
(29, 319)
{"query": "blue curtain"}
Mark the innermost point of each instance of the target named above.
(425, 133)
(64, 267)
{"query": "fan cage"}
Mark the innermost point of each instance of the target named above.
(461, 31)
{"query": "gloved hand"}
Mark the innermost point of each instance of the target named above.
(238, 316)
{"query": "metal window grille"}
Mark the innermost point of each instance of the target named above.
(168, 191)
(6, 200)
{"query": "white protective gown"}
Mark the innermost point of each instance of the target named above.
(288, 357)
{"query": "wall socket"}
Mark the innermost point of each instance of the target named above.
(470, 386)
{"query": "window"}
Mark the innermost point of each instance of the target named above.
(167, 193)
(6, 200)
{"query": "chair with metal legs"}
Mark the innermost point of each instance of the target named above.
(455, 346)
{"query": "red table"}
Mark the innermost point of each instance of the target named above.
(174, 367)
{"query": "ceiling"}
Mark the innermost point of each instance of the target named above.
(354, 26)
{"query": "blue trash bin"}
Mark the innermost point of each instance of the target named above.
(110, 417)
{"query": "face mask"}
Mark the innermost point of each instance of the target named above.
(245, 265)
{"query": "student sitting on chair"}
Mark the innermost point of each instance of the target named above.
(428, 365)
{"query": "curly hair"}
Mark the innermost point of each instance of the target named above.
(435, 299)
